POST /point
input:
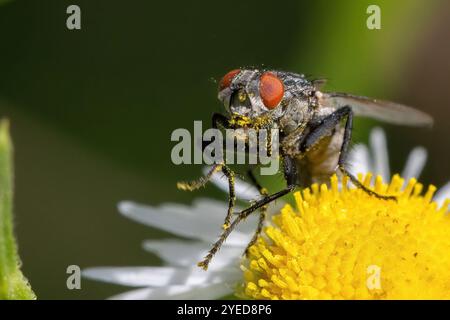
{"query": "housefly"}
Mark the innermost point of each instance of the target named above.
(315, 130)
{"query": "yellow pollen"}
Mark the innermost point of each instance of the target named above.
(239, 121)
(341, 243)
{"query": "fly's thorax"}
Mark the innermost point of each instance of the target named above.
(295, 112)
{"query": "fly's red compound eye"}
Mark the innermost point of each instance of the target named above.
(271, 90)
(226, 80)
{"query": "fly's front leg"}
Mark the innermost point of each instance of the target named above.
(241, 216)
(269, 144)
(325, 128)
(196, 184)
(231, 196)
(262, 211)
(201, 182)
(290, 172)
(218, 120)
(290, 175)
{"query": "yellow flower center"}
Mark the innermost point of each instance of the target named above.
(346, 244)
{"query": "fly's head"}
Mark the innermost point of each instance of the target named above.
(263, 98)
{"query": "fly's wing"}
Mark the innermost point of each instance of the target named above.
(319, 83)
(385, 111)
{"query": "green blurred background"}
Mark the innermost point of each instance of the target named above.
(92, 110)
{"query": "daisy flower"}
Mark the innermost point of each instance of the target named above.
(321, 248)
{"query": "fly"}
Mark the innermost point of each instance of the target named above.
(314, 130)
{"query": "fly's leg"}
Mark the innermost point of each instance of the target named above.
(197, 184)
(241, 216)
(343, 157)
(263, 192)
(219, 120)
(231, 196)
(262, 211)
(269, 144)
(290, 173)
(325, 128)
(216, 246)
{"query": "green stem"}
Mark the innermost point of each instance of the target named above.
(13, 284)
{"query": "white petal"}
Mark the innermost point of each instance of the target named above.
(442, 194)
(204, 292)
(244, 190)
(359, 159)
(187, 254)
(415, 163)
(203, 220)
(158, 276)
(379, 149)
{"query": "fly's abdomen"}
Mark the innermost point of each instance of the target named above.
(320, 162)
